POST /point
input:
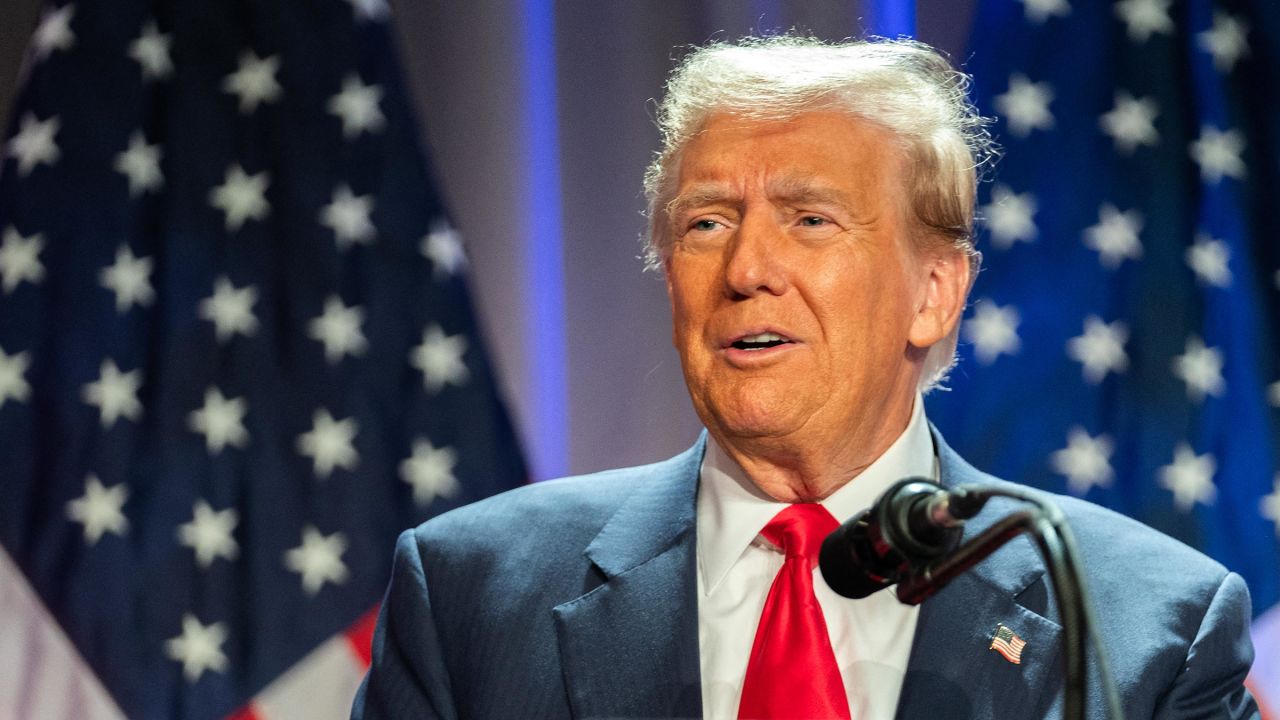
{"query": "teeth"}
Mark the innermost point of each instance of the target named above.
(763, 338)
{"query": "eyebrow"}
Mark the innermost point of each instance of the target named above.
(700, 195)
(803, 190)
(792, 190)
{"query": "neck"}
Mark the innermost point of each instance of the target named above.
(809, 469)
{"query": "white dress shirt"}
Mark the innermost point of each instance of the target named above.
(736, 566)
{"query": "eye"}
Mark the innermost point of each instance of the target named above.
(813, 221)
(704, 225)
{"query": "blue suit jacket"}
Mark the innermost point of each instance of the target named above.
(577, 598)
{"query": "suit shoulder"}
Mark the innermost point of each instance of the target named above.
(1100, 526)
(1106, 539)
(580, 496)
(1121, 539)
(1116, 549)
(552, 510)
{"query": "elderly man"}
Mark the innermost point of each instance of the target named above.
(812, 213)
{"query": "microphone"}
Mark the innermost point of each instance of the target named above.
(913, 523)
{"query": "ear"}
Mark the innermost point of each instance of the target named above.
(945, 285)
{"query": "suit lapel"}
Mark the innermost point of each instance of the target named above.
(629, 647)
(952, 665)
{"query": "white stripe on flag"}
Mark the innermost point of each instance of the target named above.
(44, 676)
(1265, 677)
(319, 687)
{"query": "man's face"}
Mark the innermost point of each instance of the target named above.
(801, 306)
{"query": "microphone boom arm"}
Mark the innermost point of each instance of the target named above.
(1052, 535)
(936, 575)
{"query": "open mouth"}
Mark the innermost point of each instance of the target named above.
(762, 341)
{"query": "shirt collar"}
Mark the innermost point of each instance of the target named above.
(732, 510)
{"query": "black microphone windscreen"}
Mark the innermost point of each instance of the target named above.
(840, 567)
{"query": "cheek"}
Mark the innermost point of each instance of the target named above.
(689, 291)
(686, 331)
(865, 314)
(683, 321)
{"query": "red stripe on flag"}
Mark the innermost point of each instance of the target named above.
(1009, 653)
(248, 712)
(1261, 699)
(360, 636)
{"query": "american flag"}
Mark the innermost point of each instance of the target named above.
(1007, 643)
(1124, 341)
(237, 357)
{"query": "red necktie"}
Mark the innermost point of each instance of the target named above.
(792, 672)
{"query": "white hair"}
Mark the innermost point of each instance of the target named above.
(903, 86)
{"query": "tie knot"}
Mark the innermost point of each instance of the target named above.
(800, 529)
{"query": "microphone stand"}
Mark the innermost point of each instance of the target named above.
(1047, 526)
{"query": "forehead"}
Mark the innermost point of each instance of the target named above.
(819, 147)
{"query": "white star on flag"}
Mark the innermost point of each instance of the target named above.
(151, 50)
(1218, 154)
(1209, 259)
(54, 32)
(1226, 41)
(439, 357)
(1038, 11)
(241, 196)
(338, 328)
(1143, 18)
(1189, 477)
(34, 144)
(1115, 237)
(1132, 122)
(1026, 105)
(209, 533)
(443, 247)
(1009, 217)
(330, 443)
(129, 278)
(1100, 349)
(100, 510)
(992, 330)
(430, 471)
(254, 82)
(13, 381)
(318, 559)
(1085, 461)
(198, 648)
(140, 163)
(230, 309)
(1270, 505)
(220, 420)
(1200, 368)
(372, 10)
(114, 393)
(20, 259)
(1273, 394)
(348, 216)
(357, 106)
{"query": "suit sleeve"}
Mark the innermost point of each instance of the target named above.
(1211, 683)
(408, 677)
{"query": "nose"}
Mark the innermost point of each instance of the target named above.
(754, 263)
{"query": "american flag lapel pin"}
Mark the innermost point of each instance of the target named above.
(1007, 643)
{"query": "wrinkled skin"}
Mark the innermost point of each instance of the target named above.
(803, 229)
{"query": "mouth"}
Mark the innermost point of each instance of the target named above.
(760, 341)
